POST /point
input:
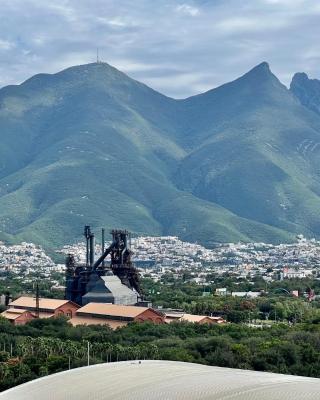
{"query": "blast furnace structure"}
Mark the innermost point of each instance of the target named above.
(96, 281)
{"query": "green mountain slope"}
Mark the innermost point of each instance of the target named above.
(256, 153)
(91, 145)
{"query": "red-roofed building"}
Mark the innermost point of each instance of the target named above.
(47, 307)
(115, 315)
(18, 317)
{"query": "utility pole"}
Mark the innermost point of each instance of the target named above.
(88, 354)
(37, 313)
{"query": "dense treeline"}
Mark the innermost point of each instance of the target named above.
(46, 346)
(181, 290)
(276, 303)
(286, 338)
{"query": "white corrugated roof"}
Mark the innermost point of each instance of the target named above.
(113, 285)
(158, 380)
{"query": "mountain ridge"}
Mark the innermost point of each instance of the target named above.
(91, 145)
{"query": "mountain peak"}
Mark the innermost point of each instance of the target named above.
(263, 66)
(84, 72)
(93, 69)
(299, 77)
(96, 75)
(306, 90)
(261, 79)
(261, 71)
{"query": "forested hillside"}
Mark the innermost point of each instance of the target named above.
(91, 145)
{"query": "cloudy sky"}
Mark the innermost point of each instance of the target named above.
(177, 47)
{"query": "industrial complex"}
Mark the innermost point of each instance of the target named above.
(100, 292)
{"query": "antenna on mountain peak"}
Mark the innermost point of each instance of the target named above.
(98, 60)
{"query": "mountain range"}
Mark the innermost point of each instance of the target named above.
(90, 145)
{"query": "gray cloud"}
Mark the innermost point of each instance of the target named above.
(178, 47)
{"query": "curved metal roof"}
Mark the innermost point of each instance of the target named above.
(164, 380)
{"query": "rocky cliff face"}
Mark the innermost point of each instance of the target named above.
(307, 91)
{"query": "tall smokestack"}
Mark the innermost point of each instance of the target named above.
(102, 244)
(91, 239)
(87, 234)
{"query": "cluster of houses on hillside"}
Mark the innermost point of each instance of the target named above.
(23, 256)
(157, 257)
